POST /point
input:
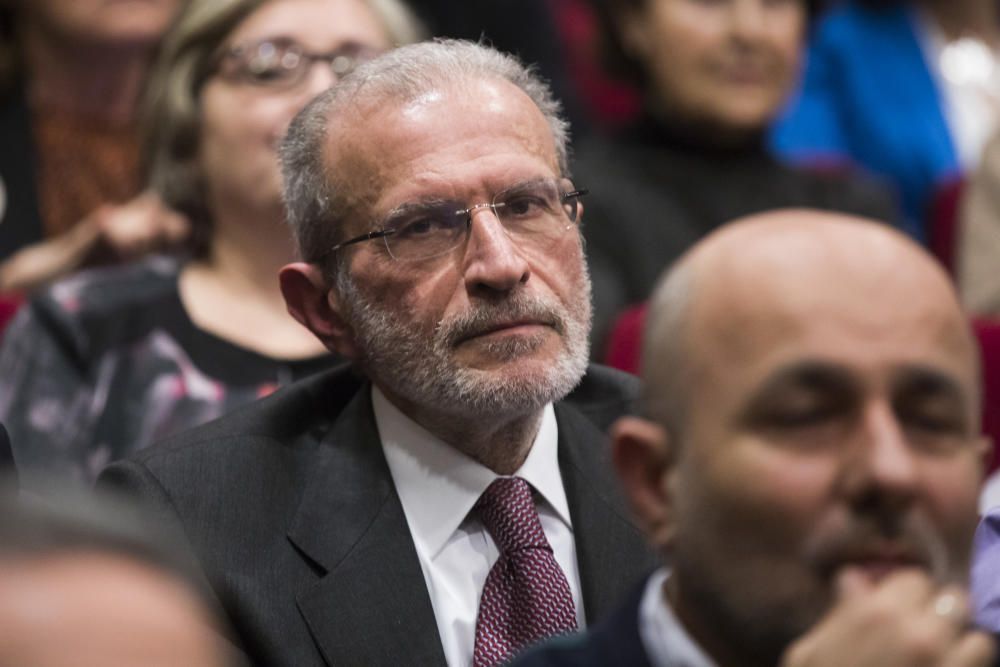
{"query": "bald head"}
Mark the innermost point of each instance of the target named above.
(756, 277)
(819, 389)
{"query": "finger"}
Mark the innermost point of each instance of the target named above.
(851, 583)
(974, 649)
(910, 587)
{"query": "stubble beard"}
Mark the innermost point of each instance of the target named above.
(426, 372)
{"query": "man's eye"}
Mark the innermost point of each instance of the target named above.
(934, 422)
(800, 418)
(525, 205)
(425, 226)
(415, 228)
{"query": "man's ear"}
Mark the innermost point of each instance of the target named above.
(643, 460)
(317, 306)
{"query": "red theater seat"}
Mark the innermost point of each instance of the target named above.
(624, 347)
(9, 303)
(942, 223)
(988, 334)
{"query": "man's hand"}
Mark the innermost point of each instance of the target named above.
(905, 620)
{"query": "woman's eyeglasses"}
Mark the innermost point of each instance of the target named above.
(284, 64)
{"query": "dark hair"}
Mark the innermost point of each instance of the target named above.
(10, 53)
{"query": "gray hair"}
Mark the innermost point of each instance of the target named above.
(313, 201)
(665, 368)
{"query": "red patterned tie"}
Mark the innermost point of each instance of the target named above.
(526, 597)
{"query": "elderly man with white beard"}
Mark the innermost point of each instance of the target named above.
(448, 499)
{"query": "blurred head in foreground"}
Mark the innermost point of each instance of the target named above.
(87, 583)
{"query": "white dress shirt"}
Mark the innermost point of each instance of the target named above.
(665, 640)
(438, 487)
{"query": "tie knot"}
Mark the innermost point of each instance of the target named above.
(508, 512)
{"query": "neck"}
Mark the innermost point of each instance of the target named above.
(699, 135)
(966, 18)
(248, 250)
(94, 80)
(501, 444)
(724, 648)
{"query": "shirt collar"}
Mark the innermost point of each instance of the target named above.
(438, 485)
(666, 641)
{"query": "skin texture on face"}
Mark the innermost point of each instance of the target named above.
(242, 125)
(831, 422)
(723, 64)
(89, 609)
(125, 22)
(494, 329)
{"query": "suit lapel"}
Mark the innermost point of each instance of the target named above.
(370, 606)
(611, 552)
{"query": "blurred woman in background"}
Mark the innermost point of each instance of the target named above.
(713, 77)
(109, 361)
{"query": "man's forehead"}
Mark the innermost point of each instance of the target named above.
(871, 304)
(428, 137)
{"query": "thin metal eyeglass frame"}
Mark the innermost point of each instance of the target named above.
(467, 212)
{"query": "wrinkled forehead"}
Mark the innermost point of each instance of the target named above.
(458, 134)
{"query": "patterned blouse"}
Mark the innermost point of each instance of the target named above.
(107, 362)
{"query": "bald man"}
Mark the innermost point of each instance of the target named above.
(810, 462)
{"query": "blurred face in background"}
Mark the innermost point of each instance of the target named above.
(725, 64)
(247, 104)
(124, 22)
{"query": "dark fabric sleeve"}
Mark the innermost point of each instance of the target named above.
(49, 400)
(6, 456)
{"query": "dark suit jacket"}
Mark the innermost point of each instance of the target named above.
(6, 455)
(290, 508)
(615, 641)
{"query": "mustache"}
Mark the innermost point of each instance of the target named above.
(906, 541)
(487, 316)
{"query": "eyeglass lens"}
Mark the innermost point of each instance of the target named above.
(536, 213)
(285, 63)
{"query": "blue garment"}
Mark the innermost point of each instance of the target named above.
(985, 580)
(869, 97)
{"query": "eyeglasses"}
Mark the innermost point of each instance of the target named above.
(284, 63)
(535, 212)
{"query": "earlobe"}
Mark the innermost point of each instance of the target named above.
(316, 306)
(643, 460)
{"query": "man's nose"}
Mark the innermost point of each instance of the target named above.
(882, 464)
(493, 262)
